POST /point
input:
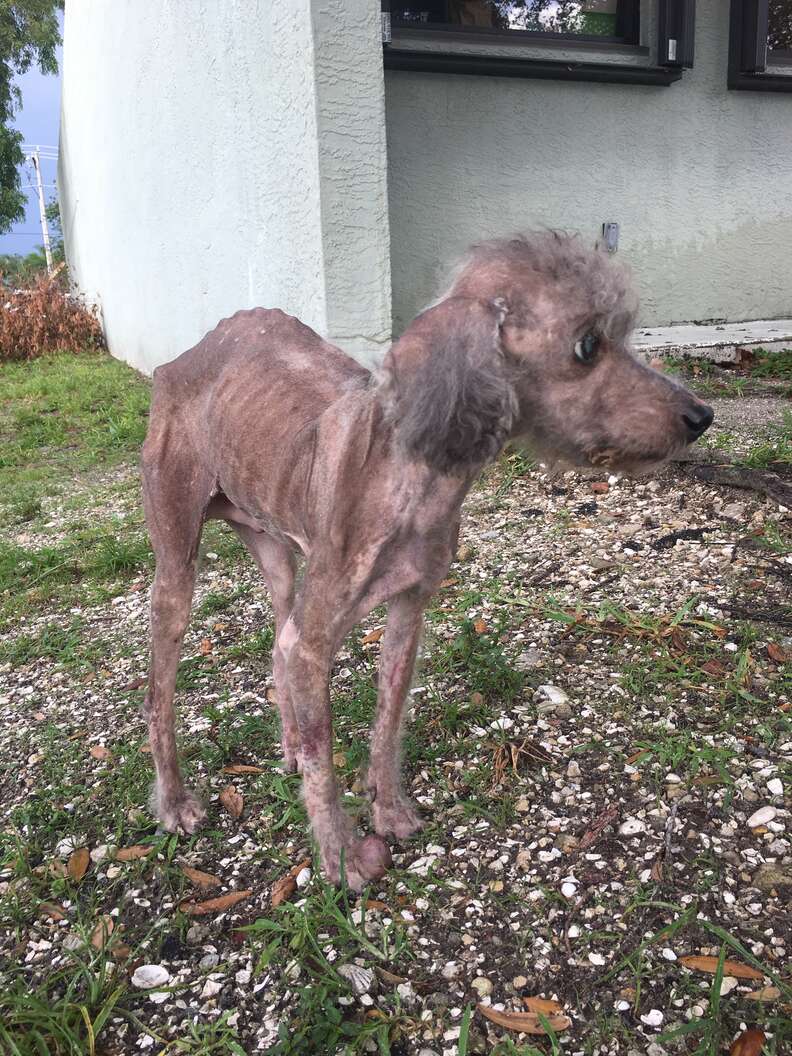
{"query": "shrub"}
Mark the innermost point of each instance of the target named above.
(45, 318)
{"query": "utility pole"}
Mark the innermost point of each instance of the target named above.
(33, 157)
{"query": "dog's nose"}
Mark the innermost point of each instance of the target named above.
(697, 418)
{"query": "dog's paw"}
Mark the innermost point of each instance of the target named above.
(364, 860)
(292, 759)
(400, 818)
(184, 813)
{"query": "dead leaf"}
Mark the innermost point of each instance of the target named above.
(200, 878)
(713, 667)
(374, 903)
(544, 1005)
(232, 801)
(657, 872)
(373, 636)
(389, 977)
(121, 951)
(524, 1022)
(243, 768)
(450, 582)
(78, 863)
(102, 931)
(284, 888)
(50, 910)
(271, 695)
(145, 748)
(480, 627)
(710, 964)
(600, 487)
(137, 683)
(750, 1043)
(98, 751)
(77, 735)
(205, 647)
(219, 627)
(767, 993)
(718, 631)
(339, 760)
(775, 652)
(131, 854)
(213, 905)
(636, 756)
(39, 716)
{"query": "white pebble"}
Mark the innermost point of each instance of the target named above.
(653, 1018)
(631, 827)
(775, 787)
(669, 955)
(761, 817)
(303, 877)
(728, 983)
(482, 986)
(553, 694)
(596, 958)
(211, 988)
(568, 889)
(148, 976)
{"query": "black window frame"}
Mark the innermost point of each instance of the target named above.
(750, 59)
(676, 29)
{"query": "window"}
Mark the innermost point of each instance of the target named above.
(779, 28)
(760, 45)
(612, 20)
(573, 40)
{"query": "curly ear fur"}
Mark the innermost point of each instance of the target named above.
(446, 386)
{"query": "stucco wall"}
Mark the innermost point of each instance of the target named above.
(699, 178)
(198, 170)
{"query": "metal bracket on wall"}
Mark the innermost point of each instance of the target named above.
(610, 236)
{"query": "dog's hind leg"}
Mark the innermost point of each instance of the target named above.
(393, 812)
(277, 565)
(174, 506)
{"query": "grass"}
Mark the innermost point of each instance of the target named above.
(776, 450)
(766, 372)
(711, 706)
(65, 415)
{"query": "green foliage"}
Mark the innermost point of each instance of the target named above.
(29, 34)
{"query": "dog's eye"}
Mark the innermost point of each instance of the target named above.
(587, 347)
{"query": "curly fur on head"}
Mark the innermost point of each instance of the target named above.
(585, 280)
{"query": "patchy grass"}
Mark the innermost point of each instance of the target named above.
(554, 585)
(760, 373)
(776, 450)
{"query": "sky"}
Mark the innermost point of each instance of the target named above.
(38, 120)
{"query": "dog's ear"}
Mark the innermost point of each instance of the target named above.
(446, 386)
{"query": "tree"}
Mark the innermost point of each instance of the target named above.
(29, 33)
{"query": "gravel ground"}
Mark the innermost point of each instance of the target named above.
(600, 738)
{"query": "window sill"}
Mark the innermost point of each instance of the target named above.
(423, 61)
(510, 40)
(759, 82)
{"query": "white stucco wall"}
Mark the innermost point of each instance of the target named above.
(206, 153)
(698, 177)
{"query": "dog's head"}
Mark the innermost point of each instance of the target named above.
(569, 312)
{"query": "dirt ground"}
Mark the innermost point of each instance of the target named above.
(600, 739)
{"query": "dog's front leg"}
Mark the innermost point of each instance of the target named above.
(310, 646)
(394, 812)
(176, 808)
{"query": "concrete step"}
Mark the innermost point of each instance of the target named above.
(717, 341)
